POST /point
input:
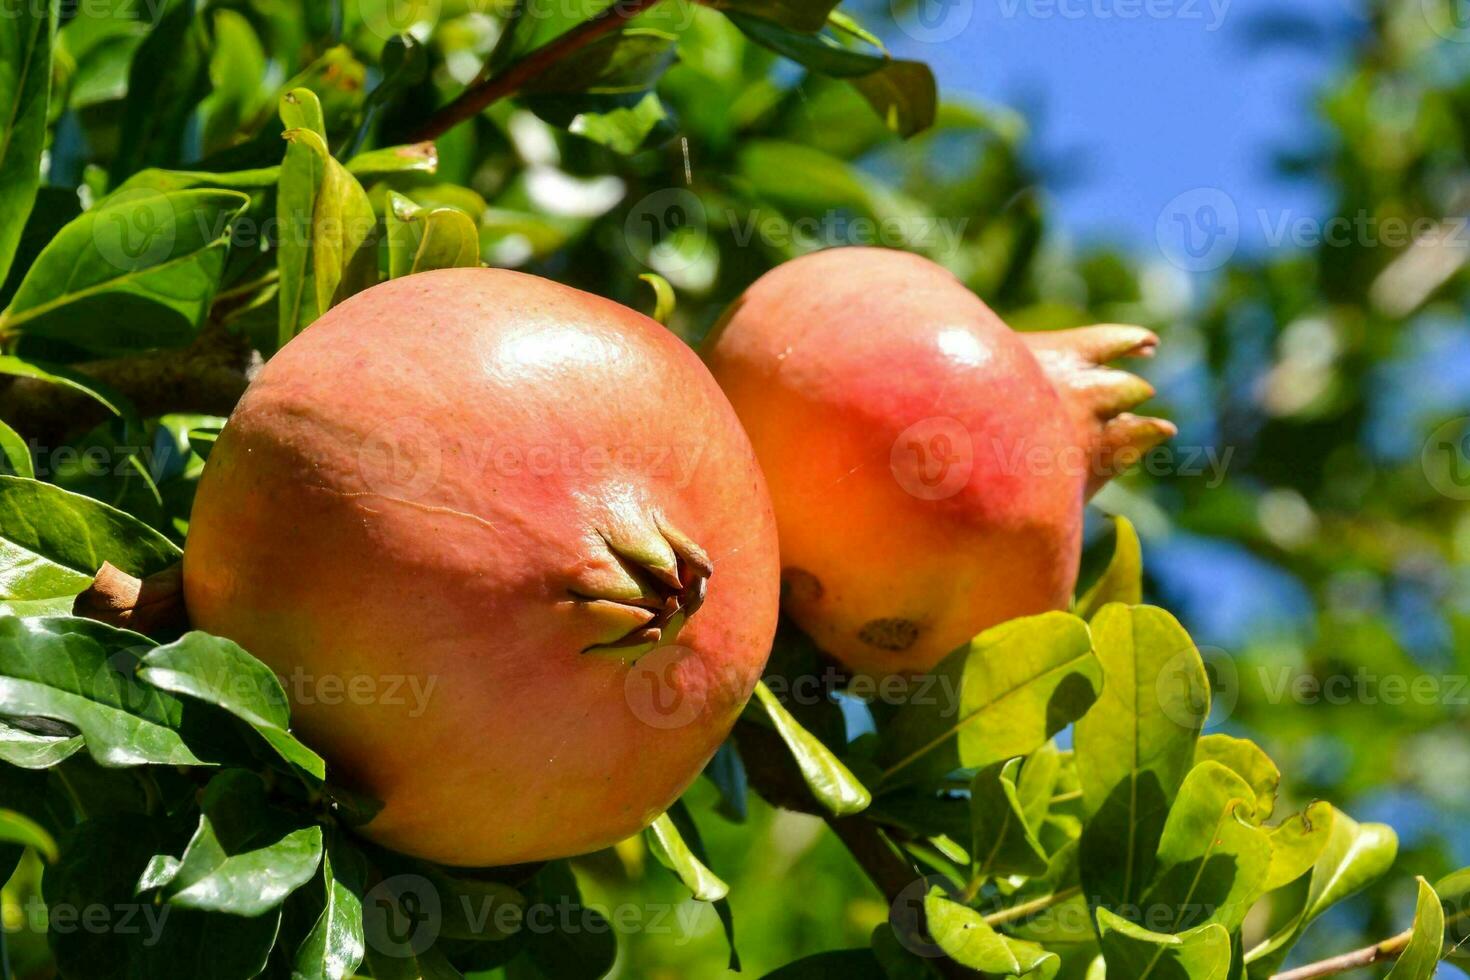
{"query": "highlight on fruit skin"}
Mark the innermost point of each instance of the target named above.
(509, 549)
(928, 465)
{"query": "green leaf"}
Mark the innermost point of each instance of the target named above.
(1212, 859)
(1454, 894)
(79, 671)
(404, 64)
(15, 454)
(138, 271)
(628, 61)
(420, 239)
(1355, 855)
(585, 951)
(98, 870)
(17, 828)
(663, 297)
(903, 94)
(624, 129)
(168, 78)
(412, 158)
(1019, 684)
(796, 15)
(55, 374)
(1249, 761)
(1139, 954)
(239, 860)
(33, 749)
(52, 542)
(968, 940)
(27, 32)
(672, 852)
(326, 222)
(1420, 959)
(220, 672)
(1135, 747)
(333, 950)
(820, 53)
(1297, 844)
(156, 179)
(1003, 841)
(1122, 580)
(831, 782)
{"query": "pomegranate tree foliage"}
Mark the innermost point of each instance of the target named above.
(213, 176)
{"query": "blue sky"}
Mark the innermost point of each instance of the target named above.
(1134, 102)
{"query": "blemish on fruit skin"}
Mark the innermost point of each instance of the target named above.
(894, 635)
(800, 585)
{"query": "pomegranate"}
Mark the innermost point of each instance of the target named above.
(510, 551)
(928, 465)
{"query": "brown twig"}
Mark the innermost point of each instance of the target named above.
(1367, 956)
(473, 100)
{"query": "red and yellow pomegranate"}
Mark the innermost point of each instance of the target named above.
(928, 465)
(509, 549)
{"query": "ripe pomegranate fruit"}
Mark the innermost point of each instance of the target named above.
(509, 549)
(928, 465)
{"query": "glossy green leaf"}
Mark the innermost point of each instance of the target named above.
(1212, 859)
(831, 782)
(168, 77)
(52, 542)
(1454, 894)
(1355, 855)
(99, 868)
(411, 158)
(136, 272)
(421, 239)
(1298, 842)
(966, 938)
(157, 179)
(241, 860)
(1019, 684)
(1122, 580)
(27, 32)
(668, 846)
(818, 52)
(220, 672)
(35, 749)
(15, 455)
(17, 828)
(79, 672)
(1003, 841)
(1420, 959)
(1250, 762)
(1140, 954)
(588, 949)
(333, 949)
(1136, 746)
(326, 222)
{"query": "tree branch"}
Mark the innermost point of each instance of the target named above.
(1368, 955)
(474, 99)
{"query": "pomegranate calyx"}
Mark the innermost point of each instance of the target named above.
(669, 592)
